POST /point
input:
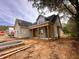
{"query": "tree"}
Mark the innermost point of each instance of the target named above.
(3, 28)
(65, 30)
(60, 5)
(71, 27)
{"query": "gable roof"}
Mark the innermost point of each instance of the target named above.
(23, 23)
(40, 16)
(51, 18)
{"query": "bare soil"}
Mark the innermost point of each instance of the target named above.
(5, 38)
(58, 49)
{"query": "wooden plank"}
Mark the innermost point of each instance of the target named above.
(14, 52)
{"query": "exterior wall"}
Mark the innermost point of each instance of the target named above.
(21, 32)
(43, 32)
(62, 33)
(55, 31)
(17, 30)
(51, 29)
(36, 33)
(57, 23)
(24, 33)
(41, 20)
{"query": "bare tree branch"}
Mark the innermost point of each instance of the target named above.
(69, 10)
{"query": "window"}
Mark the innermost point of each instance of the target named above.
(41, 31)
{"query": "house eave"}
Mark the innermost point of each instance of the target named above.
(40, 25)
(24, 27)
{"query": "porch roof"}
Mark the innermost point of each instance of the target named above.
(39, 25)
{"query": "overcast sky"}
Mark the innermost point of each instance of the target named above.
(12, 9)
(22, 9)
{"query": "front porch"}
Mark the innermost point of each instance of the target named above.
(42, 31)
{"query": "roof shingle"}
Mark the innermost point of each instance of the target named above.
(23, 23)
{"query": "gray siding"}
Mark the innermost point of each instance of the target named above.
(41, 20)
(21, 32)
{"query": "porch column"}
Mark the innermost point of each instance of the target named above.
(58, 32)
(48, 32)
(51, 31)
(32, 32)
(38, 33)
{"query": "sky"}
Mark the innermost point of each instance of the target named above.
(21, 9)
(12, 9)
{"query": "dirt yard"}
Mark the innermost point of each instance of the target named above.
(5, 38)
(58, 49)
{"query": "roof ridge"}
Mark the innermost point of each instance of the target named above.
(22, 20)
